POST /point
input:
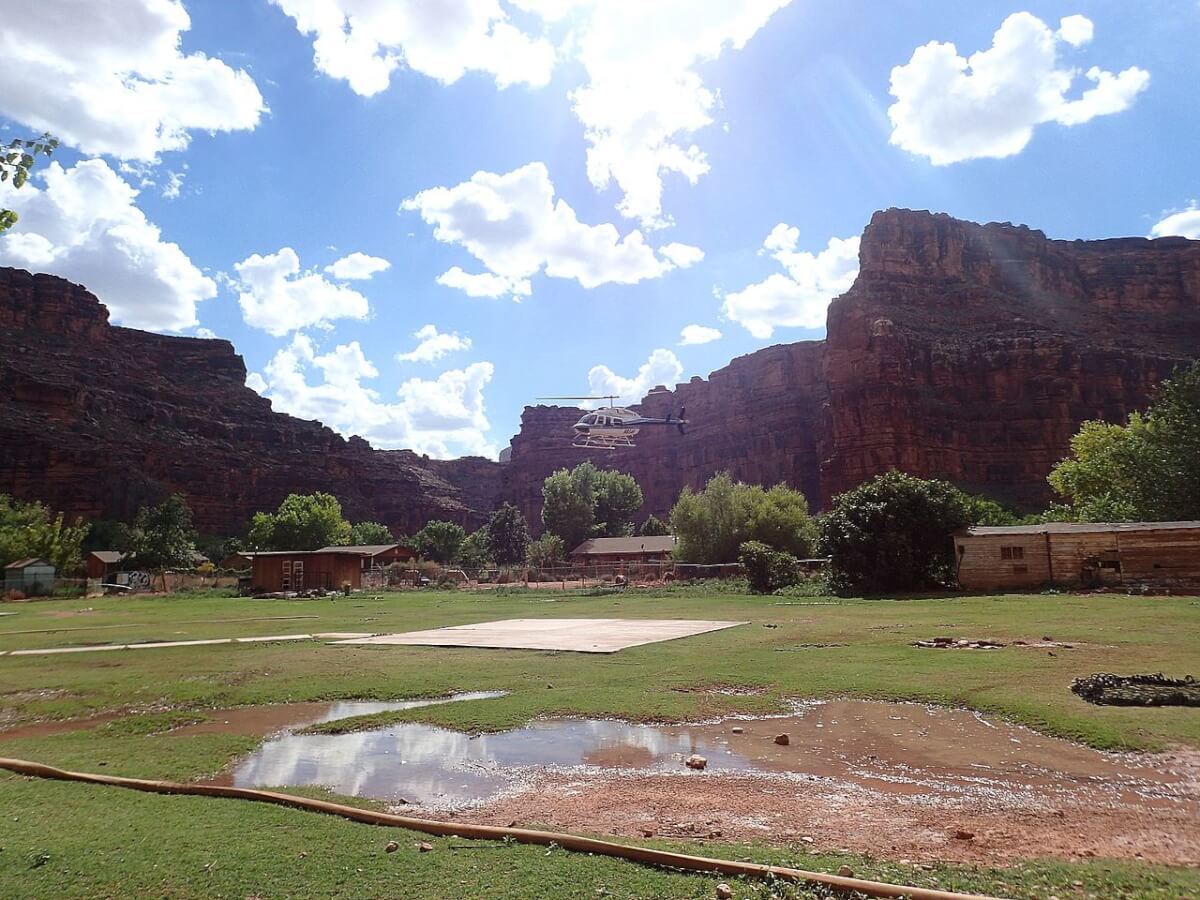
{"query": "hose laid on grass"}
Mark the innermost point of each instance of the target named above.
(490, 832)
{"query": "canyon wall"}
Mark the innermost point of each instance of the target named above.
(97, 420)
(963, 351)
(969, 352)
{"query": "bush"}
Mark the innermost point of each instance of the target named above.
(767, 569)
(893, 533)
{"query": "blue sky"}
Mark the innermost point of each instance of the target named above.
(368, 144)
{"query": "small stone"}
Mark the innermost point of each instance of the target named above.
(424, 846)
(737, 729)
(647, 832)
(724, 891)
(806, 839)
(964, 835)
(695, 761)
(391, 847)
(782, 739)
(846, 872)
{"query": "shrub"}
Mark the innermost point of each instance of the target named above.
(767, 569)
(894, 533)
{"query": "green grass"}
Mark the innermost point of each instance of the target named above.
(110, 842)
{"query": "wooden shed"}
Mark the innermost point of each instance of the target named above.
(1079, 554)
(328, 569)
(29, 576)
(103, 563)
(611, 550)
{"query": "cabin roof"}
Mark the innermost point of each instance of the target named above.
(1076, 528)
(631, 545)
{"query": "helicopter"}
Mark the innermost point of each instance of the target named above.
(612, 426)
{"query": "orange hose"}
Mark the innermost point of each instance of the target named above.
(580, 844)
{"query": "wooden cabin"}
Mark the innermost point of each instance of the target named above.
(327, 569)
(1078, 554)
(29, 577)
(614, 550)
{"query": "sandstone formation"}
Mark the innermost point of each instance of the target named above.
(969, 352)
(964, 351)
(97, 420)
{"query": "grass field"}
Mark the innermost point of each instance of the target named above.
(71, 840)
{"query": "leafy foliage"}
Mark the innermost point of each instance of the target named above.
(366, 534)
(654, 527)
(31, 530)
(711, 525)
(440, 541)
(1146, 469)
(894, 533)
(302, 522)
(507, 535)
(768, 569)
(162, 536)
(16, 162)
(548, 550)
(585, 502)
(474, 552)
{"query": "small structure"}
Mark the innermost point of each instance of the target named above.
(622, 550)
(327, 569)
(29, 576)
(1078, 554)
(103, 564)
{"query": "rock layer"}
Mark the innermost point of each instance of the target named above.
(97, 420)
(964, 351)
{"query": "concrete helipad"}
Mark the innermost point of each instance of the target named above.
(578, 635)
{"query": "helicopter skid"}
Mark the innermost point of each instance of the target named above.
(594, 443)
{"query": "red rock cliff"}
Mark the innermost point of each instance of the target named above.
(962, 351)
(97, 420)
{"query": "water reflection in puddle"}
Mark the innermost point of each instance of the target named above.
(901, 748)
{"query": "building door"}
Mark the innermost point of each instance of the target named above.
(298, 576)
(285, 581)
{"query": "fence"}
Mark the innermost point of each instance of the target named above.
(568, 575)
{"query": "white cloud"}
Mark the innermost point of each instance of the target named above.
(174, 186)
(799, 298)
(951, 108)
(434, 345)
(85, 226)
(441, 417)
(110, 77)
(513, 224)
(364, 41)
(357, 266)
(662, 367)
(277, 297)
(206, 333)
(1183, 223)
(698, 334)
(644, 100)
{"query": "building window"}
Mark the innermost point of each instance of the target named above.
(1012, 552)
(298, 575)
(286, 581)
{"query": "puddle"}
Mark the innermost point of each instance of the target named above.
(895, 748)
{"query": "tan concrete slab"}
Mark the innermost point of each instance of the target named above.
(576, 635)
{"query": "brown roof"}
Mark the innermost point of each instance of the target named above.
(108, 557)
(1079, 528)
(626, 545)
(26, 563)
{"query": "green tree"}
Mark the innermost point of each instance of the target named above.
(983, 510)
(1145, 469)
(440, 541)
(474, 552)
(366, 534)
(654, 527)
(31, 530)
(569, 504)
(16, 162)
(711, 525)
(893, 533)
(507, 535)
(547, 551)
(162, 536)
(618, 498)
(302, 522)
(779, 518)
